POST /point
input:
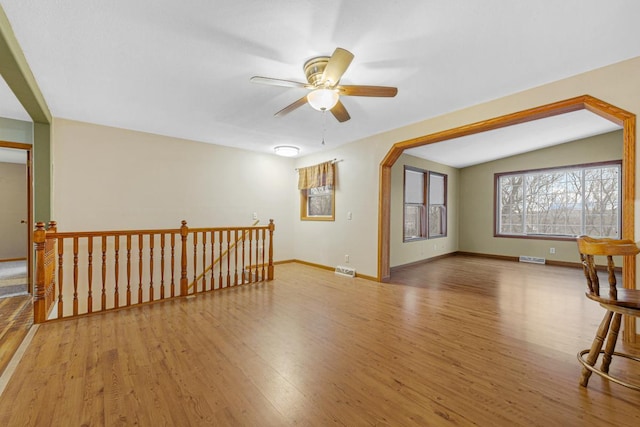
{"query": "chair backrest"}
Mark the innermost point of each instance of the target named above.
(590, 247)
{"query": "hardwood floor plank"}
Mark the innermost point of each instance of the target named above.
(455, 342)
(16, 317)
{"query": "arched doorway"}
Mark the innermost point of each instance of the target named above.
(621, 117)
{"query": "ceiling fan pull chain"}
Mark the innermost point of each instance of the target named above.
(324, 124)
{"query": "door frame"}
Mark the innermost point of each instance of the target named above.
(29, 149)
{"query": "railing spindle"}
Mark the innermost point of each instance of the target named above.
(90, 273)
(250, 267)
(235, 259)
(162, 266)
(151, 290)
(116, 295)
(140, 270)
(257, 253)
(184, 283)
(60, 275)
(220, 238)
(75, 276)
(128, 269)
(195, 262)
(228, 258)
(173, 265)
(213, 250)
(103, 299)
(204, 260)
(244, 268)
(262, 261)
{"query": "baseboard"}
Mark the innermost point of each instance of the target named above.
(422, 261)
(12, 259)
(326, 267)
(515, 258)
(493, 256)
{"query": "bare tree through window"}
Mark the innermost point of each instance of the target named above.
(560, 202)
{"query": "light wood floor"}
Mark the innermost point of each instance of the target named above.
(464, 341)
(16, 317)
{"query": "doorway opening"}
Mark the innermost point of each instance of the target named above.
(610, 112)
(15, 219)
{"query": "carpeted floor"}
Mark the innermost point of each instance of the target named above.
(13, 278)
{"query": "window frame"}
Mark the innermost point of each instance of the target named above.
(443, 206)
(557, 237)
(425, 206)
(304, 206)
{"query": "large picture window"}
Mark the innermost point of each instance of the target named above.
(425, 204)
(561, 202)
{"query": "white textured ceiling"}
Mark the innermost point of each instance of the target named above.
(516, 139)
(182, 68)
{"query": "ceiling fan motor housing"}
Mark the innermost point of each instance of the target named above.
(314, 68)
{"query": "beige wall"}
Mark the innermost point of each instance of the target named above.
(408, 252)
(13, 193)
(327, 242)
(85, 155)
(477, 196)
(106, 178)
(360, 181)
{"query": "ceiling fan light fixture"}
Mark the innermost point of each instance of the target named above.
(323, 99)
(286, 150)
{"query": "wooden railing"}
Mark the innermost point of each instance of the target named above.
(93, 271)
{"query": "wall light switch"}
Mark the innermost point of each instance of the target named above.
(349, 215)
(255, 215)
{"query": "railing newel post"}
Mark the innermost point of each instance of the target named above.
(184, 230)
(39, 309)
(272, 228)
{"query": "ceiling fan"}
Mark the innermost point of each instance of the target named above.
(323, 76)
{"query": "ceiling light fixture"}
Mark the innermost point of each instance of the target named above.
(286, 150)
(323, 99)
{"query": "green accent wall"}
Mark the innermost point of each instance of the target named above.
(16, 131)
(17, 74)
(42, 172)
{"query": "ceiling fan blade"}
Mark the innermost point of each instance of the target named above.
(356, 90)
(279, 82)
(289, 108)
(340, 113)
(337, 65)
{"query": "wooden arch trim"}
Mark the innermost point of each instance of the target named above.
(585, 102)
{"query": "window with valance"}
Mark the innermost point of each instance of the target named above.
(317, 192)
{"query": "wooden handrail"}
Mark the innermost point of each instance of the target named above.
(99, 271)
(222, 255)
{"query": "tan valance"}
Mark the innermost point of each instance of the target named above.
(320, 175)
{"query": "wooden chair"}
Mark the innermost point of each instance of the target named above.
(616, 301)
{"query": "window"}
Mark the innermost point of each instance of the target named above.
(561, 203)
(437, 205)
(317, 204)
(418, 202)
(317, 192)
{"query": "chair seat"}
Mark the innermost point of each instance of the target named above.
(628, 298)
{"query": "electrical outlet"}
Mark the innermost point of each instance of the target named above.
(346, 259)
(255, 215)
(552, 250)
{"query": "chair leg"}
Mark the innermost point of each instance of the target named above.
(611, 342)
(596, 346)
